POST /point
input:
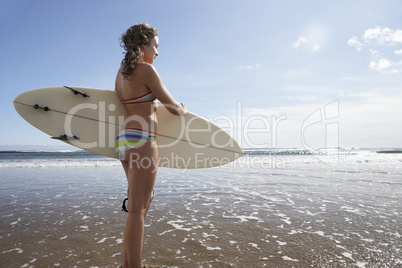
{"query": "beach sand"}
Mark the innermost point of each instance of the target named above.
(301, 215)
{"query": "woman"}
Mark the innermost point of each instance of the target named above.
(138, 85)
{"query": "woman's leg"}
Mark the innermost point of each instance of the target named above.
(141, 174)
(125, 261)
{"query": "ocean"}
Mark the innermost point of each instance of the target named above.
(271, 208)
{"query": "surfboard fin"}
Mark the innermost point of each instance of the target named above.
(65, 138)
(76, 92)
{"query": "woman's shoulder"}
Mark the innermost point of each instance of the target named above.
(145, 67)
(146, 70)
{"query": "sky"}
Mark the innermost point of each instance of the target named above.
(272, 73)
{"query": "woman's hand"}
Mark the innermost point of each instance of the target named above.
(184, 108)
(178, 109)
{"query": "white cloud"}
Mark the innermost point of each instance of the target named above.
(354, 42)
(377, 35)
(398, 52)
(301, 40)
(382, 38)
(386, 66)
(383, 35)
(250, 67)
(314, 37)
(380, 65)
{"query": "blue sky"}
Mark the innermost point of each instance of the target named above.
(271, 73)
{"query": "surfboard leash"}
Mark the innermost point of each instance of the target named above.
(124, 207)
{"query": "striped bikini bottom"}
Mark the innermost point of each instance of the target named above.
(129, 138)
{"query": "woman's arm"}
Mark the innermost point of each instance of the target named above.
(155, 84)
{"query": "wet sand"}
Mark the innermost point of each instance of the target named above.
(71, 217)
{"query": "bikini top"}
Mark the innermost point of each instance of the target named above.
(144, 98)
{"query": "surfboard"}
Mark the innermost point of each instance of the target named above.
(90, 119)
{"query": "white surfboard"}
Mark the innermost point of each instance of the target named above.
(91, 118)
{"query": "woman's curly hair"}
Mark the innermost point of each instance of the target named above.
(131, 41)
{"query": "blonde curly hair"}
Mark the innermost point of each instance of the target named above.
(131, 41)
